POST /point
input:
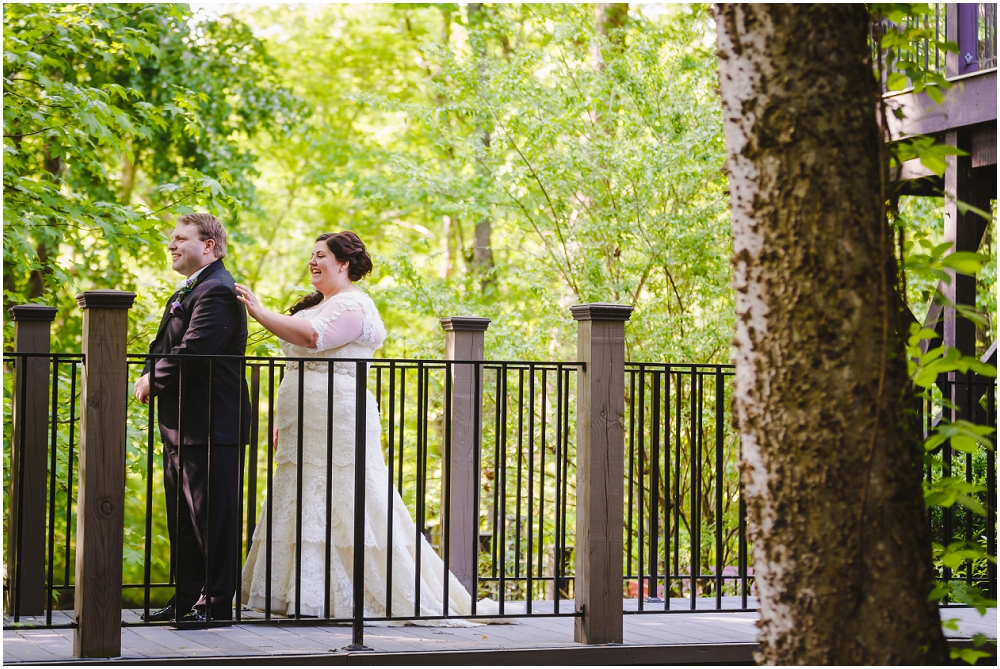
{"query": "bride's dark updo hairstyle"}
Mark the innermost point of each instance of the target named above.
(346, 247)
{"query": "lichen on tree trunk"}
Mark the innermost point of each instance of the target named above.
(831, 470)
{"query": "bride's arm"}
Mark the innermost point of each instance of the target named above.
(298, 331)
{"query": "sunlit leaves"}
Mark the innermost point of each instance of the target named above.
(931, 154)
(960, 591)
(599, 185)
(949, 491)
(111, 127)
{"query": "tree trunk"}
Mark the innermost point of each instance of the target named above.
(36, 280)
(831, 472)
(482, 245)
(607, 17)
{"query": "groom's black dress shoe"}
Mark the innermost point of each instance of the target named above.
(164, 614)
(195, 619)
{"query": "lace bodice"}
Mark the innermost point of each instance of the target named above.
(325, 318)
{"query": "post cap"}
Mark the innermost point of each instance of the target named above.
(33, 312)
(465, 324)
(105, 299)
(601, 311)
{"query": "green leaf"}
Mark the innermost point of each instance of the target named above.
(965, 444)
(968, 655)
(896, 81)
(971, 504)
(927, 333)
(965, 262)
(932, 354)
(983, 368)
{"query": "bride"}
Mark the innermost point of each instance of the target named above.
(337, 321)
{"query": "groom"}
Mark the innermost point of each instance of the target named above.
(201, 421)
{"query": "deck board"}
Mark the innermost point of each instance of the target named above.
(691, 637)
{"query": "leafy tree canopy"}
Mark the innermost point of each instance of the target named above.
(116, 119)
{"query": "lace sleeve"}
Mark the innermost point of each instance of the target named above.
(337, 323)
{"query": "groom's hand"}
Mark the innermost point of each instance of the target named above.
(141, 389)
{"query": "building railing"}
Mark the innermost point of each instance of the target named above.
(972, 27)
(926, 52)
(972, 398)
(986, 35)
(501, 464)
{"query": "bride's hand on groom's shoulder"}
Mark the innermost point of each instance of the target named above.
(249, 300)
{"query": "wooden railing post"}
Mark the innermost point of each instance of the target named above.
(101, 494)
(600, 456)
(29, 438)
(465, 338)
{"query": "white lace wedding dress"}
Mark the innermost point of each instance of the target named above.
(356, 312)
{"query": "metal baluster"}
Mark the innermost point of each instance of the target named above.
(331, 389)
(501, 541)
(654, 493)
(565, 471)
(694, 523)
(402, 425)
(21, 362)
(541, 475)
(719, 562)
(69, 471)
(270, 489)
(421, 418)
(477, 439)
(446, 475)
(52, 489)
(556, 543)
(669, 501)
(531, 482)
(360, 438)
(520, 452)
(150, 448)
(252, 465)
(631, 474)
(238, 534)
(641, 431)
(208, 496)
(391, 498)
(677, 479)
(497, 456)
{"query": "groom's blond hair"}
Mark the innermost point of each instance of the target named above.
(209, 227)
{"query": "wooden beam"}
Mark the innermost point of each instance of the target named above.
(29, 446)
(465, 338)
(965, 231)
(971, 99)
(100, 506)
(600, 454)
(984, 145)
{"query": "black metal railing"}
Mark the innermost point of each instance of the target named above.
(39, 551)
(972, 27)
(926, 52)
(685, 545)
(974, 399)
(524, 427)
(986, 35)
(685, 531)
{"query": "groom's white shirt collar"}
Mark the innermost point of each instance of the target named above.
(180, 284)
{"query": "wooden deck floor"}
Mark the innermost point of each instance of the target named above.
(650, 638)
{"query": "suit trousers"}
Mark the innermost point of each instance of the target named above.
(201, 483)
